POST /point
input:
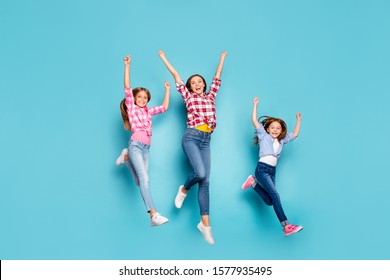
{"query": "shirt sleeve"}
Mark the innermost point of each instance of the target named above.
(214, 87)
(129, 99)
(260, 131)
(289, 137)
(183, 90)
(157, 110)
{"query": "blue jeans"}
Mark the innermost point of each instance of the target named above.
(196, 146)
(265, 187)
(138, 165)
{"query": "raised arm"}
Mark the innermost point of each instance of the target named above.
(126, 78)
(220, 65)
(254, 113)
(165, 103)
(173, 71)
(297, 125)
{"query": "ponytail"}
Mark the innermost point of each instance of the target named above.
(125, 117)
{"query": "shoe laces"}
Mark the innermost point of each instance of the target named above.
(156, 215)
(290, 227)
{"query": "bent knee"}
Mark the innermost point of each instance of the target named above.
(201, 176)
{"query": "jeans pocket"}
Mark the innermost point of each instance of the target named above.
(191, 135)
(192, 132)
(261, 168)
(134, 144)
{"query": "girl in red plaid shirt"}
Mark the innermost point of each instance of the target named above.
(201, 122)
(137, 117)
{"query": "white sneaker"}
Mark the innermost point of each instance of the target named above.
(157, 220)
(206, 231)
(121, 159)
(179, 199)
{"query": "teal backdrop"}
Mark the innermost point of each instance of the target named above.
(61, 81)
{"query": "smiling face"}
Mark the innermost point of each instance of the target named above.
(141, 98)
(274, 129)
(196, 84)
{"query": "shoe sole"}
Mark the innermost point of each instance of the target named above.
(243, 185)
(179, 193)
(160, 224)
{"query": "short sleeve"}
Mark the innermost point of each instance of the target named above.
(288, 138)
(260, 131)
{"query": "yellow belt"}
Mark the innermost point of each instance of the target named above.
(204, 127)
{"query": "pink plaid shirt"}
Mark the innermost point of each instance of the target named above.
(200, 109)
(140, 118)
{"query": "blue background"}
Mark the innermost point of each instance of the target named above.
(61, 72)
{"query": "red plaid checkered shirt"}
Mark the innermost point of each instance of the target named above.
(200, 109)
(140, 118)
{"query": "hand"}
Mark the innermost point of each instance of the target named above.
(126, 60)
(167, 85)
(299, 116)
(161, 53)
(223, 54)
(256, 100)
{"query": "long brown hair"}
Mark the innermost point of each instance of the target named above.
(123, 107)
(265, 121)
(125, 116)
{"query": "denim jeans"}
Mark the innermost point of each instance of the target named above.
(196, 146)
(265, 187)
(138, 165)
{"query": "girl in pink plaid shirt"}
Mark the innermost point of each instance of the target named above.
(201, 122)
(137, 117)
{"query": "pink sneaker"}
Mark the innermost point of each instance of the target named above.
(291, 229)
(249, 182)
